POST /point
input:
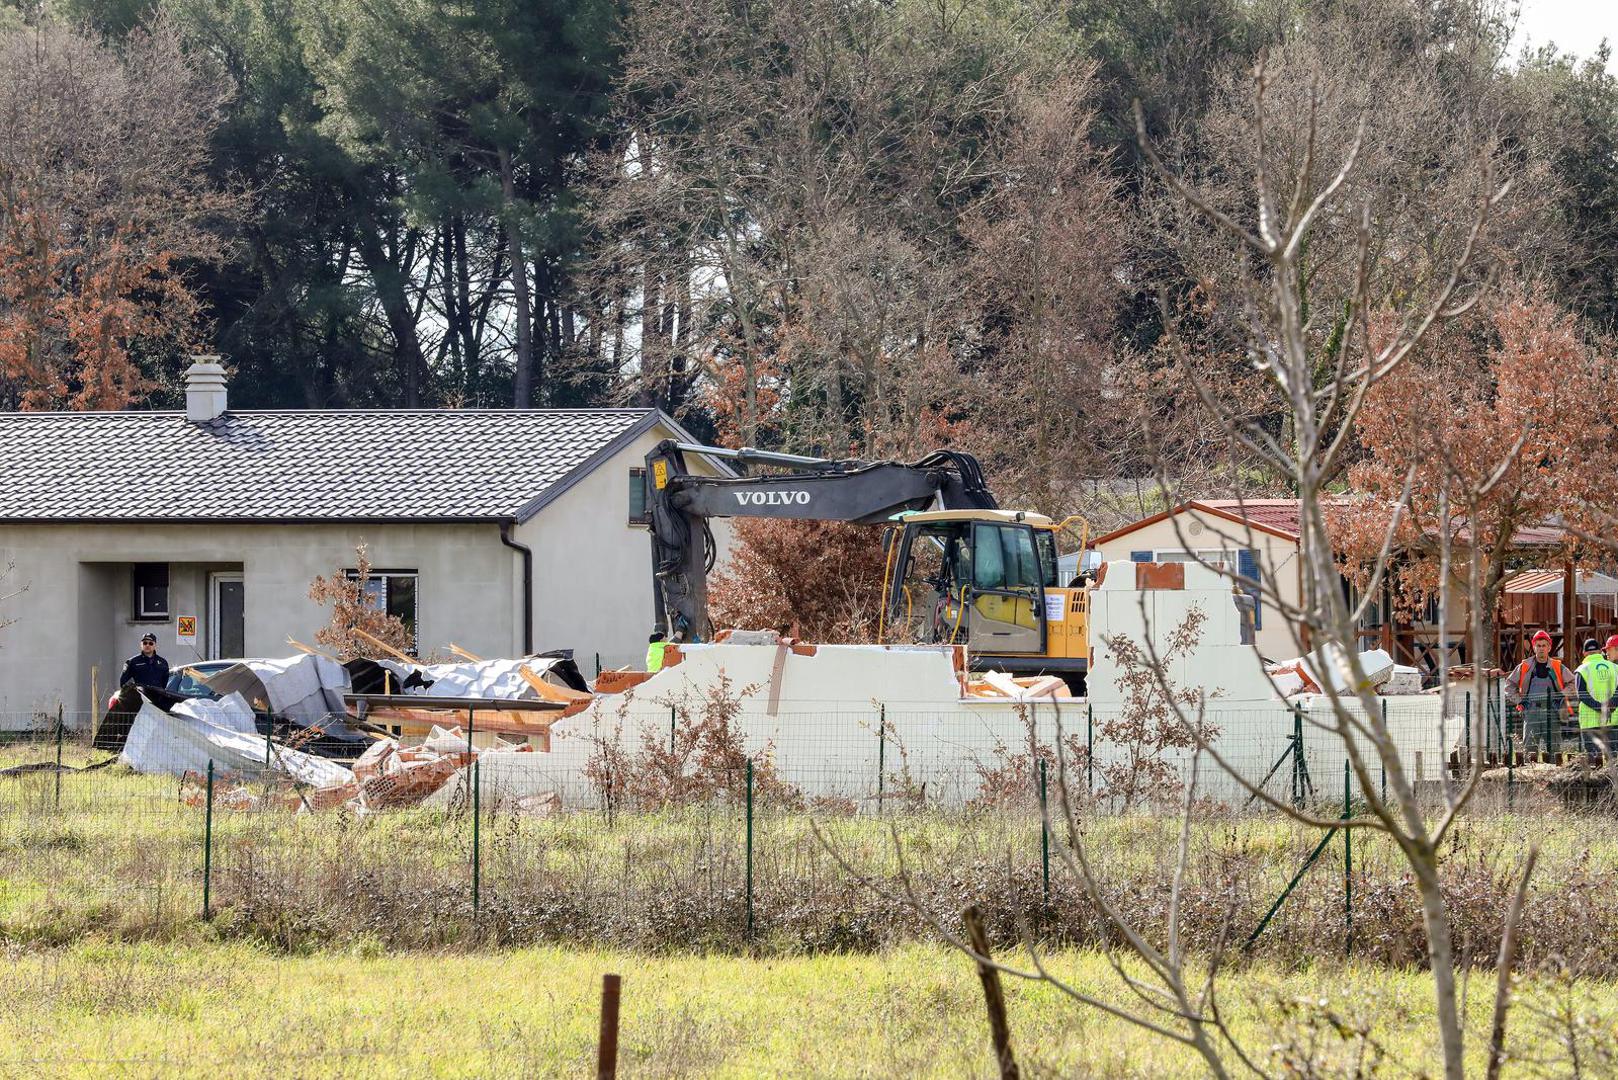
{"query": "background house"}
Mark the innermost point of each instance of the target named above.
(1262, 535)
(1255, 537)
(503, 531)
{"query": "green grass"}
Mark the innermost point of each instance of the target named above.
(917, 1011)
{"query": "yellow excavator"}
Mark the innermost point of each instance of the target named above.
(958, 568)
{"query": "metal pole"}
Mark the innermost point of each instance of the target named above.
(1090, 748)
(672, 720)
(58, 755)
(881, 754)
(1044, 833)
(749, 847)
(477, 787)
(598, 665)
(471, 719)
(1297, 757)
(1468, 716)
(1384, 764)
(1348, 868)
(207, 850)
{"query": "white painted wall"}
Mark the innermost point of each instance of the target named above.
(593, 571)
(1277, 559)
(823, 734)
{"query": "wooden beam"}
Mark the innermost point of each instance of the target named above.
(310, 649)
(456, 650)
(389, 649)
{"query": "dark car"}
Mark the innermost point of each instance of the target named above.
(184, 681)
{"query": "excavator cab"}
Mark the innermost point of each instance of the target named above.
(990, 580)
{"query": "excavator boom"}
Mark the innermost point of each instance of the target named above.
(816, 489)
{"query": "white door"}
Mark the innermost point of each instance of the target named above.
(227, 616)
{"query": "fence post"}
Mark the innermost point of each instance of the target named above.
(607, 1040)
(1044, 833)
(1348, 867)
(1384, 764)
(1090, 748)
(269, 733)
(1468, 719)
(477, 866)
(207, 849)
(673, 720)
(58, 755)
(881, 753)
(749, 847)
(1297, 757)
(598, 665)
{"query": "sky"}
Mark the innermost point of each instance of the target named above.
(1576, 26)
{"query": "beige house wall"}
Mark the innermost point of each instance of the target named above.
(1277, 560)
(593, 571)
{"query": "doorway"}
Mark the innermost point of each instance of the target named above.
(227, 616)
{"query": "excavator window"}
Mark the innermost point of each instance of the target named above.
(1004, 558)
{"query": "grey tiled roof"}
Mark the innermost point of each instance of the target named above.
(393, 465)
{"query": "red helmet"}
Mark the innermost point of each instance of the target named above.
(1612, 642)
(1540, 635)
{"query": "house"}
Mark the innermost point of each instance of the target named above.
(1258, 538)
(1261, 536)
(504, 532)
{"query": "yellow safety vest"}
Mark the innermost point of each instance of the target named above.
(1600, 680)
(654, 655)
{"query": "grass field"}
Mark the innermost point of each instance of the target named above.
(233, 1010)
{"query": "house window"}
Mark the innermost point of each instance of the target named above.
(1219, 560)
(151, 584)
(640, 512)
(392, 591)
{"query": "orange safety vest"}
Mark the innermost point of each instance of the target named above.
(1557, 673)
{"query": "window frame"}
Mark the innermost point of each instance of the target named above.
(139, 611)
(386, 576)
(637, 482)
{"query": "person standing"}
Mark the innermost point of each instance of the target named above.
(1597, 682)
(1542, 693)
(146, 668)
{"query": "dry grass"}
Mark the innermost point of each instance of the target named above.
(240, 1011)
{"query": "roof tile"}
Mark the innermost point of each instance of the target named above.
(277, 465)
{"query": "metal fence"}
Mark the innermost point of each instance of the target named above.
(688, 831)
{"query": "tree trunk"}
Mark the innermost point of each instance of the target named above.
(523, 384)
(390, 293)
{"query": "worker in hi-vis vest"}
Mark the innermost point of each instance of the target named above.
(1543, 694)
(1597, 680)
(654, 651)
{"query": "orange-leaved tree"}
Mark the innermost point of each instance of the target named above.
(1491, 429)
(820, 580)
(104, 200)
(356, 614)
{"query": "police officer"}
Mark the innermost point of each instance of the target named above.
(146, 668)
(1597, 680)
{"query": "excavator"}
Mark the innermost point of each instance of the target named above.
(959, 569)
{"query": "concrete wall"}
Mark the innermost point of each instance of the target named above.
(593, 571)
(1277, 558)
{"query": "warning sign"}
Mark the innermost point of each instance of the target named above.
(660, 474)
(188, 626)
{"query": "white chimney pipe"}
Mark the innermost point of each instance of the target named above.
(204, 390)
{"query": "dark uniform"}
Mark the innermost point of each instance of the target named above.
(146, 670)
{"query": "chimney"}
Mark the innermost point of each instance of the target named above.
(204, 390)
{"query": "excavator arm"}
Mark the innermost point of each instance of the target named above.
(814, 489)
